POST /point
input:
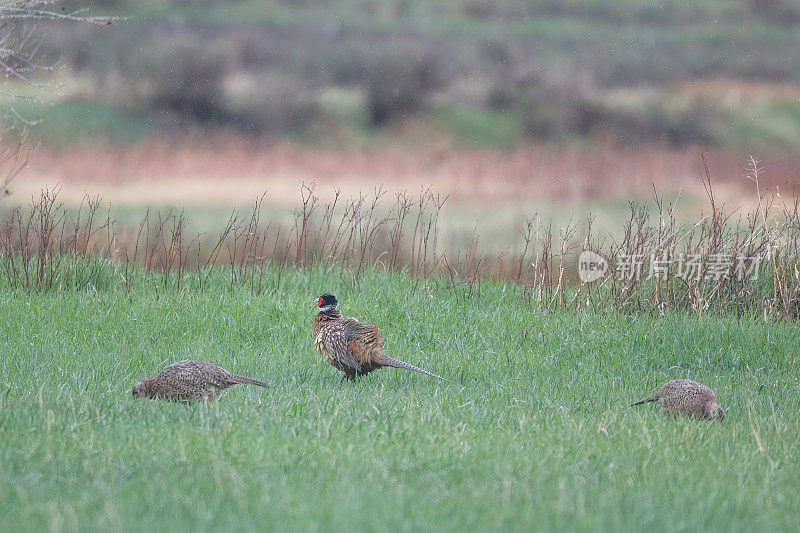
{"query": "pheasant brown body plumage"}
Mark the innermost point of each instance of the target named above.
(351, 346)
(189, 381)
(687, 397)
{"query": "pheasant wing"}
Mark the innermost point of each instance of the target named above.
(363, 341)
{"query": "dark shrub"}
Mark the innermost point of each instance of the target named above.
(397, 86)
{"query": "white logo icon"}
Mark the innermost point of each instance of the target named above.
(591, 266)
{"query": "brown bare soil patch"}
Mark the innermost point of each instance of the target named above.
(737, 92)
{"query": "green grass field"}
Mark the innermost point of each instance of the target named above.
(536, 434)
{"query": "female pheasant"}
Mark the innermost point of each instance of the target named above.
(351, 346)
(686, 397)
(190, 380)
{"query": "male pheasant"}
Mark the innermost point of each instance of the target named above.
(189, 381)
(351, 346)
(686, 397)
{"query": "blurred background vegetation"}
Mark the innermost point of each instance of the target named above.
(499, 74)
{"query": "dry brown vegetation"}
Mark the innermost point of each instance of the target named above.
(46, 246)
(230, 172)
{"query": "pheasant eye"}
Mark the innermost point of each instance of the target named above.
(319, 302)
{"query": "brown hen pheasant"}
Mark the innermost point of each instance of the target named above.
(351, 346)
(686, 397)
(190, 380)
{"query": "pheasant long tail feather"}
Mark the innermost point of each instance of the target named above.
(648, 399)
(241, 380)
(396, 363)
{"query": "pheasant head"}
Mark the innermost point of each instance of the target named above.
(327, 302)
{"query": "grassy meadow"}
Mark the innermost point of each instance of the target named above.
(536, 433)
(499, 140)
